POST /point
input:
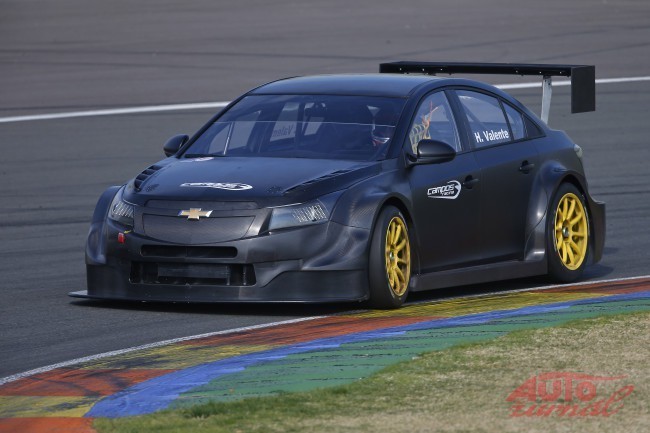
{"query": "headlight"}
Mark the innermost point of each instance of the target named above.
(121, 211)
(578, 150)
(302, 214)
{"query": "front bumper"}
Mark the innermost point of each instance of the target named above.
(320, 263)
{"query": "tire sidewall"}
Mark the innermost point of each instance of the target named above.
(557, 271)
(381, 294)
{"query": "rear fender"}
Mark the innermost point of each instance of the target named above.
(550, 176)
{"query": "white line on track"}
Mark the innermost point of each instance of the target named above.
(147, 346)
(202, 105)
(76, 361)
(114, 111)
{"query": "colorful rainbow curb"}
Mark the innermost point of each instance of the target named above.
(299, 356)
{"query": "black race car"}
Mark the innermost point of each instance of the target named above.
(351, 188)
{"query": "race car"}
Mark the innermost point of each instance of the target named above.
(354, 187)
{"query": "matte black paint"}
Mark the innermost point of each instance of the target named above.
(494, 229)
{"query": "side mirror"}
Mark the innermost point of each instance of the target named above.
(174, 144)
(432, 152)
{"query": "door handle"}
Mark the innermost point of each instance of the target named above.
(526, 167)
(470, 181)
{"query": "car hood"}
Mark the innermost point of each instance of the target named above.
(266, 181)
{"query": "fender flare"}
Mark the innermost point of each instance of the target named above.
(367, 205)
(548, 180)
(96, 240)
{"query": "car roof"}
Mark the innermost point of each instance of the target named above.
(383, 85)
(389, 85)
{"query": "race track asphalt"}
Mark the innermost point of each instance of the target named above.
(300, 356)
(78, 55)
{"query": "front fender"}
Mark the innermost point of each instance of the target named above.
(96, 241)
(360, 205)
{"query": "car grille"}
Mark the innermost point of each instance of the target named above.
(212, 205)
(178, 252)
(204, 231)
(192, 274)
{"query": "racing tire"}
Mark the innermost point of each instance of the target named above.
(568, 238)
(389, 260)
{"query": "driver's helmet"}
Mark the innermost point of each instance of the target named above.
(381, 134)
(382, 130)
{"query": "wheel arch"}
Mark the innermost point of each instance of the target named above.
(595, 216)
(549, 179)
(96, 241)
(401, 205)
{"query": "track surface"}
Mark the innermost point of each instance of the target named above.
(301, 356)
(77, 55)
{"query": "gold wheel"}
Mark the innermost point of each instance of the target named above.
(397, 256)
(571, 231)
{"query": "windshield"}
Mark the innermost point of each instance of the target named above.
(302, 126)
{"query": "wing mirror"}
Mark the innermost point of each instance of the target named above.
(432, 152)
(174, 144)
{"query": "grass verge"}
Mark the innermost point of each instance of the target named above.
(460, 389)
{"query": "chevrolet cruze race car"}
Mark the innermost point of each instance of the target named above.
(352, 188)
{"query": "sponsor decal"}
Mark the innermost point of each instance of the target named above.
(229, 186)
(203, 158)
(450, 190)
(491, 136)
(565, 394)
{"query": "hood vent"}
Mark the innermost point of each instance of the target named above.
(316, 180)
(139, 179)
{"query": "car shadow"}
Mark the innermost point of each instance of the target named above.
(593, 272)
(241, 309)
(298, 309)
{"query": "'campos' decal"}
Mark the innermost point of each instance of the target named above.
(230, 186)
(449, 191)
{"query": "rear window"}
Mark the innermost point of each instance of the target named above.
(486, 119)
(516, 120)
(532, 130)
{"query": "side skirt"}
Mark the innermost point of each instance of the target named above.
(478, 274)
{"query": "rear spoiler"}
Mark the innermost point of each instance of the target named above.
(583, 78)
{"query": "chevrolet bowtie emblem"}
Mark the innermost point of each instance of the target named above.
(195, 213)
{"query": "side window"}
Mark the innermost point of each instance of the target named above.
(241, 132)
(285, 126)
(532, 130)
(231, 135)
(485, 117)
(434, 120)
(313, 118)
(516, 120)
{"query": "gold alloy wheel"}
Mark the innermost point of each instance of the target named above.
(571, 232)
(398, 256)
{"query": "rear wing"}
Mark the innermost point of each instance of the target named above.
(583, 78)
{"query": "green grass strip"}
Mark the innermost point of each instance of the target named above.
(459, 385)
